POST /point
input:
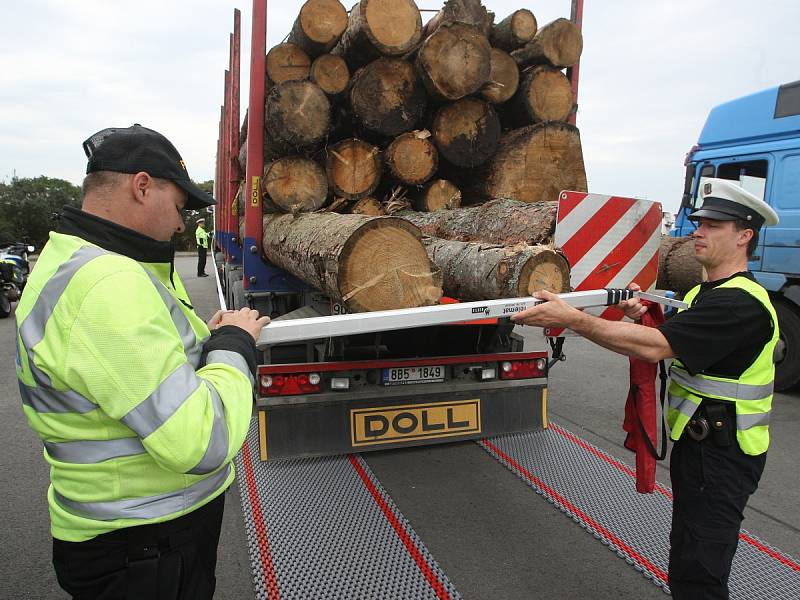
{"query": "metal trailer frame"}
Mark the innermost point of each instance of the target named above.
(259, 277)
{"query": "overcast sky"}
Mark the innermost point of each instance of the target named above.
(650, 73)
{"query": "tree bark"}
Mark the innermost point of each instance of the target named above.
(296, 184)
(330, 73)
(412, 158)
(367, 206)
(368, 263)
(387, 96)
(471, 12)
(516, 30)
(454, 62)
(503, 79)
(478, 271)
(559, 44)
(678, 269)
(379, 28)
(466, 132)
(287, 62)
(354, 168)
(535, 163)
(439, 194)
(544, 94)
(319, 26)
(297, 115)
(503, 222)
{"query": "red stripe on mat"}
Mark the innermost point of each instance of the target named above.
(593, 231)
(628, 471)
(579, 513)
(413, 550)
(270, 580)
(567, 202)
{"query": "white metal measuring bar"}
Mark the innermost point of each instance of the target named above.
(297, 330)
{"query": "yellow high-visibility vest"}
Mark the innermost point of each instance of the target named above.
(751, 392)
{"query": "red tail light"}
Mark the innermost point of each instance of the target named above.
(290, 385)
(523, 369)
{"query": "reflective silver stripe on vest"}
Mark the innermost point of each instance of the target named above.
(152, 412)
(217, 450)
(85, 452)
(32, 332)
(722, 389)
(47, 400)
(683, 405)
(234, 359)
(148, 507)
(744, 422)
(191, 345)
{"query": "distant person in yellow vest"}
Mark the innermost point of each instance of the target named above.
(201, 235)
(721, 382)
(141, 405)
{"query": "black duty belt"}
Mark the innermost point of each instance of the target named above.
(713, 419)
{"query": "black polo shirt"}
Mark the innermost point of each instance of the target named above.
(723, 331)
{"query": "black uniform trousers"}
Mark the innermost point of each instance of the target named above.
(174, 560)
(712, 480)
(201, 260)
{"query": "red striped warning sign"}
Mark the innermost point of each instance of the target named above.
(609, 241)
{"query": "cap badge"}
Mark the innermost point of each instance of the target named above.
(183, 165)
(707, 189)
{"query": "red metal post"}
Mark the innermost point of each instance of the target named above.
(576, 16)
(226, 156)
(233, 180)
(251, 246)
(218, 178)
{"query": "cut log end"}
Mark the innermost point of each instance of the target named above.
(547, 94)
(455, 61)
(367, 206)
(296, 184)
(439, 194)
(386, 267)
(330, 73)
(287, 62)
(354, 168)
(545, 270)
(514, 31)
(537, 162)
(412, 158)
(503, 79)
(559, 44)
(393, 26)
(297, 113)
(466, 132)
(323, 21)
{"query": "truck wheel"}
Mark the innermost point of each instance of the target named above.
(5, 306)
(237, 294)
(787, 365)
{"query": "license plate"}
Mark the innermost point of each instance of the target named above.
(406, 375)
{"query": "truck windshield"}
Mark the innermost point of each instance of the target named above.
(750, 175)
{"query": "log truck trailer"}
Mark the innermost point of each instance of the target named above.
(358, 392)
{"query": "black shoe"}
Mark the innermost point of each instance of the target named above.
(203, 275)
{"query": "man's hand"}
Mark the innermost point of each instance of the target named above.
(552, 313)
(213, 322)
(244, 318)
(633, 308)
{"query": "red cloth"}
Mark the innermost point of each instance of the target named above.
(642, 401)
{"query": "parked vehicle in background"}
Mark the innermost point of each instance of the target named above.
(755, 141)
(14, 270)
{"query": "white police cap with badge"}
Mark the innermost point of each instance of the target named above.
(724, 200)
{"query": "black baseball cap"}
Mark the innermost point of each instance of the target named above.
(136, 148)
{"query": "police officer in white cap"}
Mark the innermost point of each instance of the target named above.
(720, 389)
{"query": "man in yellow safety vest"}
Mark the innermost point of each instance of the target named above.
(140, 404)
(201, 236)
(721, 382)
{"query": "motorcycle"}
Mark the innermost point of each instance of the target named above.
(14, 270)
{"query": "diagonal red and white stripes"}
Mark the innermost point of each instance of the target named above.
(609, 241)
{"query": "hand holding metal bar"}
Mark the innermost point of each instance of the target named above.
(296, 330)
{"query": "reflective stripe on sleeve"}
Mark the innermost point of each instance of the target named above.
(148, 507)
(722, 389)
(152, 412)
(48, 400)
(217, 449)
(234, 359)
(84, 452)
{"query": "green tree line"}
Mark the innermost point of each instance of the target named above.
(29, 206)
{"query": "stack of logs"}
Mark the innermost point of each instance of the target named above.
(373, 113)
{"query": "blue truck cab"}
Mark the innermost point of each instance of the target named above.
(755, 141)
